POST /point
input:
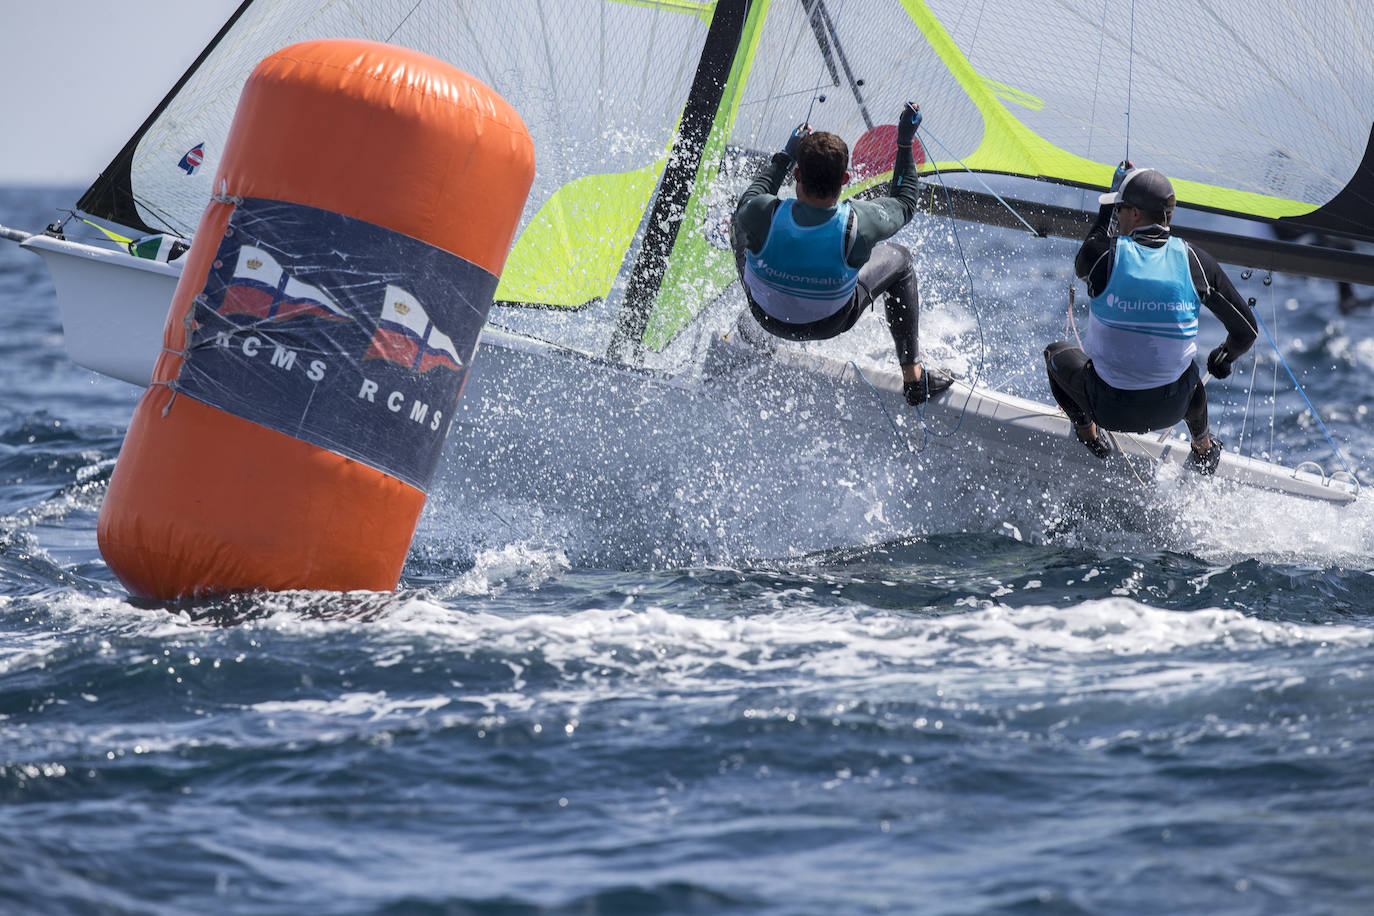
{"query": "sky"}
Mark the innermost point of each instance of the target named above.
(81, 75)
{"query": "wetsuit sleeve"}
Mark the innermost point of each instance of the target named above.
(1220, 296)
(754, 212)
(1093, 263)
(876, 220)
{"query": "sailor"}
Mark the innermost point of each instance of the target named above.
(812, 265)
(1146, 287)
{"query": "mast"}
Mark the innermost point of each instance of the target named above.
(665, 217)
(828, 40)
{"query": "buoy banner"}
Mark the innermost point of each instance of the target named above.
(338, 332)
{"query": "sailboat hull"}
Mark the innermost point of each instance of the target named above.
(113, 305)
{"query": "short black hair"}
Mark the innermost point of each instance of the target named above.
(822, 158)
(1160, 217)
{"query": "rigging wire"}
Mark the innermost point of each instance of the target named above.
(973, 307)
(978, 322)
(1274, 386)
(1130, 78)
(1097, 84)
(878, 396)
(1010, 208)
(1245, 417)
(404, 20)
(1311, 409)
(816, 8)
(816, 12)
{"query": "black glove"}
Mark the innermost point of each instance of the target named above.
(1124, 166)
(1219, 362)
(794, 141)
(907, 122)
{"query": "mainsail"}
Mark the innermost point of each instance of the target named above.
(647, 116)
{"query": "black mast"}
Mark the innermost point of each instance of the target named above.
(665, 218)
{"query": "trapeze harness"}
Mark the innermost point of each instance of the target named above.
(1142, 328)
(801, 274)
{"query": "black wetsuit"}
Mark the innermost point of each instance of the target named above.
(1086, 398)
(884, 267)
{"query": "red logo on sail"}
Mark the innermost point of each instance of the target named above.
(406, 336)
(262, 289)
(193, 158)
(876, 152)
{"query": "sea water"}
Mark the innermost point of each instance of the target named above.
(990, 712)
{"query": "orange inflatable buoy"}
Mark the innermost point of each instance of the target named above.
(322, 329)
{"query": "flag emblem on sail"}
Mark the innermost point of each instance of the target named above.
(876, 152)
(261, 288)
(193, 158)
(406, 336)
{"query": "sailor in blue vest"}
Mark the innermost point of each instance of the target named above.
(1146, 290)
(812, 265)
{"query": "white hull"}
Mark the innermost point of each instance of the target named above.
(113, 306)
(762, 416)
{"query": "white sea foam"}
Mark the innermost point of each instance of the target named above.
(1224, 522)
(1144, 646)
(523, 564)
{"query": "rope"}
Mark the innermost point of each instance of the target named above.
(1116, 444)
(878, 395)
(980, 180)
(1070, 324)
(1325, 432)
(972, 301)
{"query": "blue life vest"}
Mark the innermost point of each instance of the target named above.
(801, 274)
(1142, 327)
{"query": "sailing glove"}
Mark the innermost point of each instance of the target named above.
(794, 142)
(1219, 362)
(1122, 168)
(907, 122)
